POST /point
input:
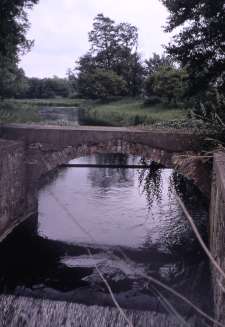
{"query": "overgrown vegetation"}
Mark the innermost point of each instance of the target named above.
(11, 112)
(132, 112)
(199, 47)
(50, 102)
(185, 83)
(13, 42)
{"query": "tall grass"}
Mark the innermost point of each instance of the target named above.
(57, 102)
(18, 113)
(130, 113)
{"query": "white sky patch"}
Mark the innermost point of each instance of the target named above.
(60, 30)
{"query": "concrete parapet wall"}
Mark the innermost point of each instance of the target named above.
(217, 234)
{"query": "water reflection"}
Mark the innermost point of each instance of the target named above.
(127, 211)
(150, 182)
(198, 208)
(105, 178)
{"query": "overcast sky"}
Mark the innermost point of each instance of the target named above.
(60, 30)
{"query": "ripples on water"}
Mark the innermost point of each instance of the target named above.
(111, 211)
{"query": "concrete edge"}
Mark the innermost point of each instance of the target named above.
(219, 169)
(16, 224)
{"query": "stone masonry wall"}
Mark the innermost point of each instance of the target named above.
(29, 152)
(13, 186)
(75, 137)
(47, 157)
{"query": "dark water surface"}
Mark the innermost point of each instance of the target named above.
(131, 223)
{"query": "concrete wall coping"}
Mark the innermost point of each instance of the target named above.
(107, 129)
(167, 140)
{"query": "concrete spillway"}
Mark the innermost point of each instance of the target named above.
(29, 312)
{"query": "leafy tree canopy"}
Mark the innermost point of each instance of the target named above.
(200, 43)
(107, 38)
(156, 62)
(41, 88)
(101, 84)
(113, 47)
(167, 83)
(13, 27)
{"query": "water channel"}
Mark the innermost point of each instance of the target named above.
(127, 222)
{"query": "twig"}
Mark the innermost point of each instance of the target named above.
(178, 295)
(202, 243)
(149, 278)
(171, 308)
(111, 292)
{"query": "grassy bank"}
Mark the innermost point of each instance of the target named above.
(11, 112)
(131, 112)
(57, 102)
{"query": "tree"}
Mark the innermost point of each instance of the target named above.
(20, 84)
(8, 70)
(113, 48)
(200, 44)
(101, 84)
(103, 39)
(108, 39)
(59, 86)
(133, 72)
(167, 83)
(34, 89)
(47, 87)
(72, 81)
(156, 62)
(13, 42)
(13, 26)
(155, 67)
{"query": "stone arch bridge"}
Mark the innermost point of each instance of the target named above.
(31, 151)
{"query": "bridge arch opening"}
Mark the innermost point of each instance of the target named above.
(158, 243)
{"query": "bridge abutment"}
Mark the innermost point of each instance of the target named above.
(15, 204)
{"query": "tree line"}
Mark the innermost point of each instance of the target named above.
(113, 67)
(191, 70)
(24, 87)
